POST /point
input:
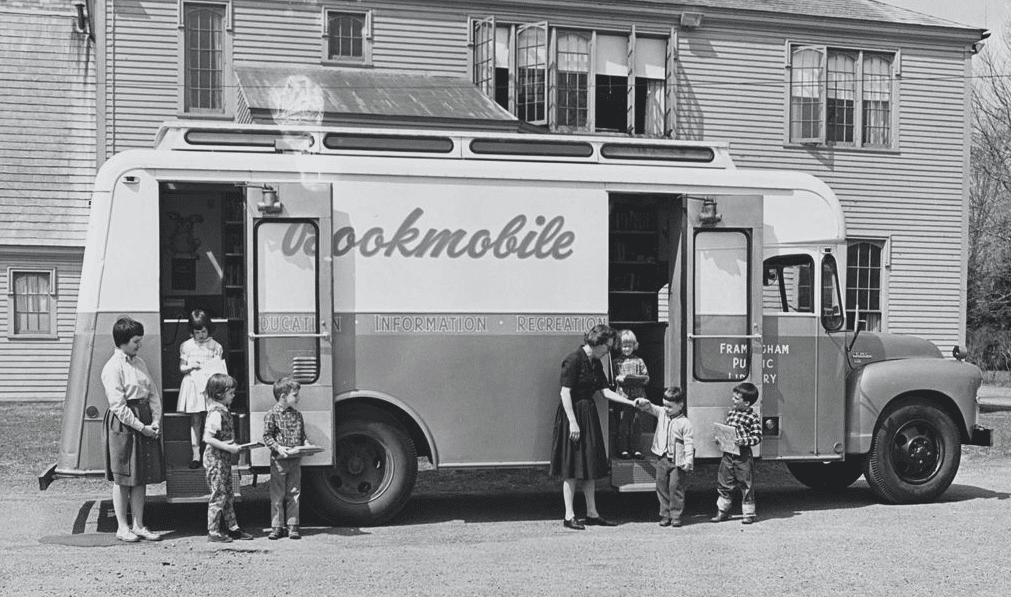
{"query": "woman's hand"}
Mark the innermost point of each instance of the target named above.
(148, 431)
(574, 431)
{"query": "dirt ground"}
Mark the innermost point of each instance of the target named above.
(500, 533)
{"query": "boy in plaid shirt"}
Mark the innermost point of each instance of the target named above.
(284, 429)
(739, 470)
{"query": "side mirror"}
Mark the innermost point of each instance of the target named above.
(832, 318)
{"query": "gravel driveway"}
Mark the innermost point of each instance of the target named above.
(500, 533)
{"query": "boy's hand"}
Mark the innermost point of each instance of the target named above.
(282, 452)
(642, 403)
(687, 467)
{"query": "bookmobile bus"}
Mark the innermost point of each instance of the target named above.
(423, 286)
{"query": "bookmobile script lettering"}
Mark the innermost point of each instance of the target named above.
(544, 239)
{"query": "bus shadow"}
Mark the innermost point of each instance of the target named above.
(773, 502)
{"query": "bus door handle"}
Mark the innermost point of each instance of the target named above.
(324, 335)
(713, 336)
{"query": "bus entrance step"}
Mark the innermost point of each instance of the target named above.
(633, 472)
(184, 485)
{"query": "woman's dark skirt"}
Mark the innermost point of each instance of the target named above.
(131, 458)
(584, 459)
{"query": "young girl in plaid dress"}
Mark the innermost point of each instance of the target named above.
(219, 435)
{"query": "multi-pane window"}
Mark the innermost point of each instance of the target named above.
(573, 79)
(841, 97)
(863, 285)
(204, 56)
(345, 34)
(531, 73)
(577, 80)
(32, 302)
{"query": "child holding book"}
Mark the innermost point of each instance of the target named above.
(284, 433)
(674, 447)
(738, 470)
(199, 358)
(632, 378)
(219, 435)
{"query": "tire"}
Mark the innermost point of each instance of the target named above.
(827, 476)
(915, 453)
(376, 467)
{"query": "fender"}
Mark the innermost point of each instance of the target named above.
(369, 396)
(952, 385)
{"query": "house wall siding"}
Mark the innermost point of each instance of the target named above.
(730, 87)
(37, 369)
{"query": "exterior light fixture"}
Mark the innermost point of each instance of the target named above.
(709, 216)
(691, 20)
(82, 22)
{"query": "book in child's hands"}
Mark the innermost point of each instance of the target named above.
(250, 445)
(304, 450)
(727, 436)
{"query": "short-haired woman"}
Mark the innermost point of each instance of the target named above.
(579, 454)
(133, 455)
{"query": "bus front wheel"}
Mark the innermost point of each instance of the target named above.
(915, 453)
(376, 464)
(827, 476)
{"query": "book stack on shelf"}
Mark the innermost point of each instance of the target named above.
(633, 266)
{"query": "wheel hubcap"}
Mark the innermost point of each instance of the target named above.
(362, 470)
(916, 452)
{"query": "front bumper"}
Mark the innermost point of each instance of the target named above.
(980, 436)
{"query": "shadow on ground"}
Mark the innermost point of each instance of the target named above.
(497, 496)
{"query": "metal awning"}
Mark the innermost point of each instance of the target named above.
(329, 95)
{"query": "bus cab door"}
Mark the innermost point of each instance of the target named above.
(290, 308)
(723, 308)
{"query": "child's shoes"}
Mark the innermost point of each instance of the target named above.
(218, 538)
(624, 455)
(676, 522)
(665, 522)
(749, 520)
(239, 535)
(276, 533)
(637, 455)
(293, 533)
(720, 516)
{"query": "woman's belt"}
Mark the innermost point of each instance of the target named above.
(138, 401)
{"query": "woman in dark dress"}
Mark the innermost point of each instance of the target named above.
(579, 453)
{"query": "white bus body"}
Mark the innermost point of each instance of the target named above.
(424, 286)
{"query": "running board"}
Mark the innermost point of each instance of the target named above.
(189, 486)
(634, 475)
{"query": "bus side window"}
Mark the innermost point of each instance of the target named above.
(832, 318)
(788, 284)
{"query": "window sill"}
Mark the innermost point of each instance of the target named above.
(204, 116)
(31, 337)
(347, 62)
(842, 148)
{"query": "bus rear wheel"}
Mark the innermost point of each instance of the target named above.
(827, 476)
(376, 465)
(914, 455)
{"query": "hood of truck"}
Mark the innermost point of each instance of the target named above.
(872, 347)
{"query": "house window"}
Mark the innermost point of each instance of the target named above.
(576, 80)
(204, 56)
(573, 80)
(531, 73)
(864, 267)
(347, 36)
(841, 97)
(31, 299)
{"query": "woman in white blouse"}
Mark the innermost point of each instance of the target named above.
(132, 432)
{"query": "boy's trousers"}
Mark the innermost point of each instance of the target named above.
(285, 491)
(670, 488)
(737, 471)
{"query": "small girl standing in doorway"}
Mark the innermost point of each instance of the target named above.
(199, 358)
(632, 379)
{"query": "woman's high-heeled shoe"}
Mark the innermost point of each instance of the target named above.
(573, 524)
